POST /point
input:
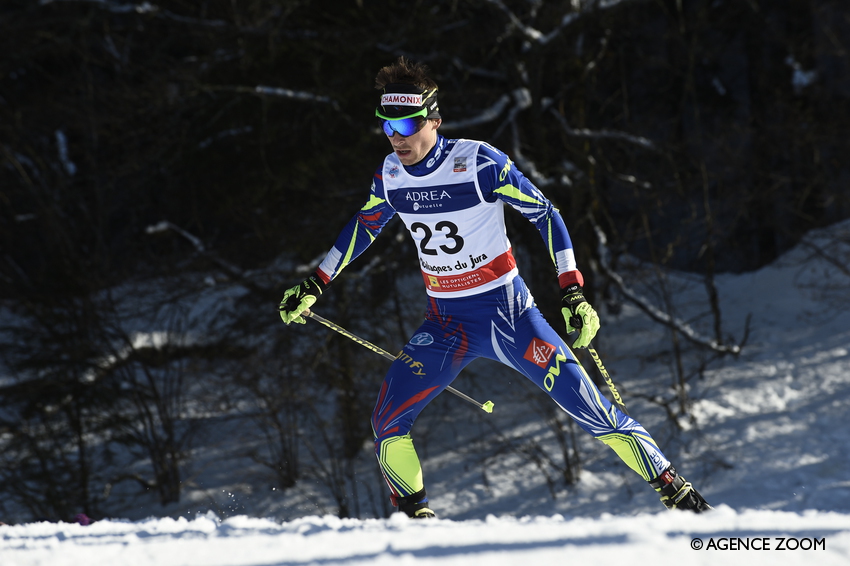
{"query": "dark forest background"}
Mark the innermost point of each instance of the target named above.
(166, 166)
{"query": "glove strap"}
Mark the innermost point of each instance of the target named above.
(313, 285)
(315, 280)
(573, 296)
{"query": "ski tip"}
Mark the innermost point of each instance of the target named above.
(488, 407)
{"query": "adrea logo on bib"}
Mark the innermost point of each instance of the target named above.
(421, 196)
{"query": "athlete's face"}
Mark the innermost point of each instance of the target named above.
(413, 148)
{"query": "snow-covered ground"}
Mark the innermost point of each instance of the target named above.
(726, 536)
(768, 446)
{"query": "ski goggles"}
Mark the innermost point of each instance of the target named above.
(406, 125)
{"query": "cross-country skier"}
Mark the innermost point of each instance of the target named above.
(451, 193)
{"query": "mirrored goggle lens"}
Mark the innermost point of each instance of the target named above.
(405, 126)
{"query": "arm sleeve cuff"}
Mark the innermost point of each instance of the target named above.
(321, 278)
(568, 278)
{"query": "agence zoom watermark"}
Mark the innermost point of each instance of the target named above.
(759, 543)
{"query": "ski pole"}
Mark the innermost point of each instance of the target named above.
(486, 407)
(576, 323)
(614, 393)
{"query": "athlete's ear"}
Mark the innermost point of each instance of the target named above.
(437, 122)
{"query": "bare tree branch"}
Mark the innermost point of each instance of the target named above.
(644, 305)
(604, 134)
(155, 11)
(143, 8)
(271, 91)
(165, 225)
(523, 100)
(537, 37)
(532, 34)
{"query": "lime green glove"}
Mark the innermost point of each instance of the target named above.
(300, 298)
(579, 316)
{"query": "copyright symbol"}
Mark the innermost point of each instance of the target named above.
(696, 543)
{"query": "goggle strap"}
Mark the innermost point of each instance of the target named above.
(423, 113)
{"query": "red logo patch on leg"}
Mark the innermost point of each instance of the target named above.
(539, 352)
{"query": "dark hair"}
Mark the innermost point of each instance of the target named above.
(406, 72)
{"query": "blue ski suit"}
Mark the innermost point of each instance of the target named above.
(452, 203)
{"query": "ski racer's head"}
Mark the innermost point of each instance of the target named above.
(408, 111)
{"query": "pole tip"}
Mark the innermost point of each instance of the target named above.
(488, 407)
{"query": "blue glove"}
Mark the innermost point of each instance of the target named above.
(579, 315)
(300, 298)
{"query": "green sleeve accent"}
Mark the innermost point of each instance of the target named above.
(350, 251)
(549, 242)
(514, 193)
(373, 202)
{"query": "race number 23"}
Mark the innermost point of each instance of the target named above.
(446, 228)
